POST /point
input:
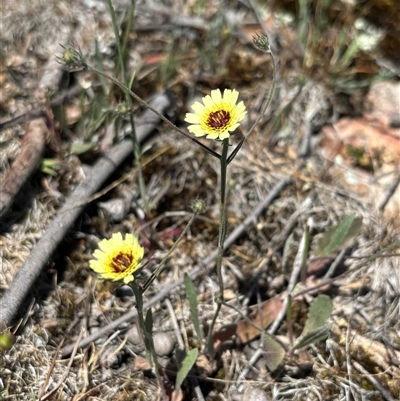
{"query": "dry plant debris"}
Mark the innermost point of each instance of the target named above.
(318, 141)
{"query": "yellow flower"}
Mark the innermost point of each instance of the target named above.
(218, 116)
(117, 258)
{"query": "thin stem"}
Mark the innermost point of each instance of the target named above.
(221, 241)
(148, 106)
(268, 95)
(222, 212)
(117, 40)
(162, 263)
(269, 98)
(136, 146)
(131, 14)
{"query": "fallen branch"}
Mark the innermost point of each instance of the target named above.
(65, 218)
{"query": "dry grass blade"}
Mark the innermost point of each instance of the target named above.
(65, 374)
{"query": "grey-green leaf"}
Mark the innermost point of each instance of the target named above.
(273, 351)
(318, 314)
(187, 364)
(338, 237)
(192, 297)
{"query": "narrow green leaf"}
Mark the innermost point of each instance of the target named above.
(132, 79)
(313, 337)
(339, 236)
(149, 323)
(146, 326)
(273, 351)
(187, 364)
(192, 297)
(148, 338)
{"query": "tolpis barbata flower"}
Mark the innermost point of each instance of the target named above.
(218, 116)
(117, 258)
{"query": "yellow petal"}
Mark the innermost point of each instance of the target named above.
(216, 96)
(231, 96)
(128, 279)
(208, 102)
(197, 130)
(192, 118)
(197, 107)
(224, 135)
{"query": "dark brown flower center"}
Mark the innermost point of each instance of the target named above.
(218, 119)
(121, 262)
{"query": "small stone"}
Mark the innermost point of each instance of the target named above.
(164, 343)
(134, 336)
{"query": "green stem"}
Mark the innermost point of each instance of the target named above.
(136, 146)
(268, 95)
(222, 214)
(221, 241)
(117, 40)
(148, 106)
(162, 263)
(131, 14)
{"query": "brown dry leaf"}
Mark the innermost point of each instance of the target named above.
(377, 140)
(262, 317)
(224, 334)
(366, 156)
(319, 266)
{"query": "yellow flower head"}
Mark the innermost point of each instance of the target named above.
(218, 116)
(117, 258)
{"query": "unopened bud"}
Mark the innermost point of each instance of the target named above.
(261, 42)
(198, 206)
(122, 109)
(72, 57)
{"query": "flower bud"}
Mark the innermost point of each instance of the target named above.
(198, 206)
